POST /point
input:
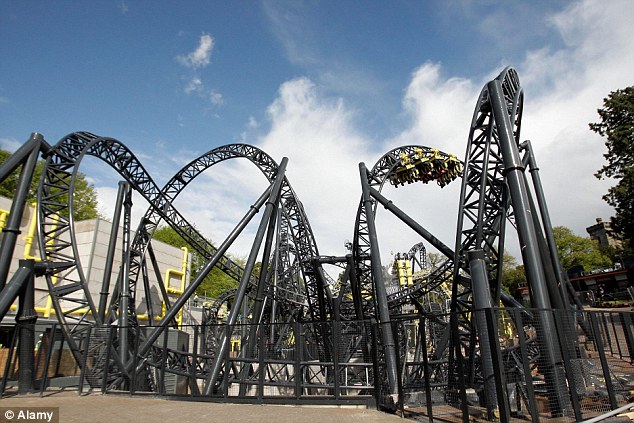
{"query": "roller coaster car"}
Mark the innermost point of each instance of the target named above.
(425, 167)
(453, 163)
(405, 174)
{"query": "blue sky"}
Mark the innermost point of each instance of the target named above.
(326, 83)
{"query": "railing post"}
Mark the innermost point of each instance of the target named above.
(25, 320)
(606, 330)
(104, 381)
(163, 362)
(135, 358)
(498, 374)
(422, 342)
(626, 324)
(9, 361)
(336, 337)
(603, 359)
(616, 336)
(47, 360)
(194, 390)
(261, 360)
(299, 342)
(375, 363)
(227, 366)
(399, 369)
(530, 390)
(561, 324)
(84, 359)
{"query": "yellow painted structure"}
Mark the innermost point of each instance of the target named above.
(404, 269)
(47, 310)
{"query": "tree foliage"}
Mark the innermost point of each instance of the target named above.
(575, 250)
(216, 282)
(617, 126)
(85, 199)
(512, 275)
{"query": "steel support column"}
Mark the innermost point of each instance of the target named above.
(428, 236)
(12, 290)
(482, 302)
(12, 228)
(249, 347)
(560, 274)
(26, 319)
(271, 206)
(514, 172)
(124, 302)
(112, 245)
(379, 287)
(191, 288)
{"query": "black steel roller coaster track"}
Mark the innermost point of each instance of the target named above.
(57, 233)
(484, 200)
(377, 177)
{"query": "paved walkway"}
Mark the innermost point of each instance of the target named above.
(97, 408)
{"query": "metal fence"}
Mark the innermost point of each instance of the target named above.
(499, 371)
(592, 372)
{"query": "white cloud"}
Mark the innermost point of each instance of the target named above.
(564, 86)
(200, 57)
(295, 32)
(324, 149)
(324, 141)
(216, 98)
(440, 110)
(563, 90)
(194, 85)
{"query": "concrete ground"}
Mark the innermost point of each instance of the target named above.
(97, 408)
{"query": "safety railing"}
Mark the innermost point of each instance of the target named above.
(591, 373)
(502, 373)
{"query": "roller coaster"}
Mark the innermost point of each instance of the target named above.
(365, 334)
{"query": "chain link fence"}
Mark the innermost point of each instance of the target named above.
(497, 364)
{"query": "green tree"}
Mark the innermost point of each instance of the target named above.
(617, 126)
(512, 275)
(575, 250)
(216, 282)
(85, 199)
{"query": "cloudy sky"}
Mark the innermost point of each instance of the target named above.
(327, 84)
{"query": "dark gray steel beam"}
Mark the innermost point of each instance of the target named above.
(250, 345)
(379, 287)
(271, 205)
(12, 227)
(12, 290)
(560, 273)
(514, 172)
(25, 320)
(354, 288)
(189, 291)
(35, 142)
(482, 302)
(159, 279)
(429, 237)
(124, 302)
(112, 246)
